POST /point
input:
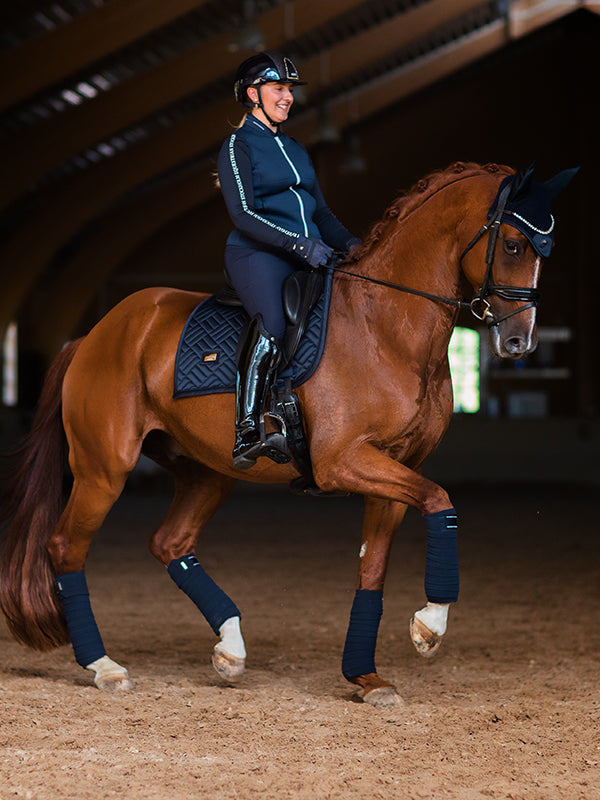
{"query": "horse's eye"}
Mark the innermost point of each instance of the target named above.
(513, 246)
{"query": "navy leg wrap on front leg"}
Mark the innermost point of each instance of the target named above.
(441, 564)
(361, 639)
(85, 636)
(216, 606)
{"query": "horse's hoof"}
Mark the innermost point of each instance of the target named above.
(228, 667)
(110, 676)
(426, 642)
(384, 697)
(117, 682)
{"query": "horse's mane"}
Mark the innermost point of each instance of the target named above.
(421, 191)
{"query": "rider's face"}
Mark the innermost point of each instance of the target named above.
(277, 99)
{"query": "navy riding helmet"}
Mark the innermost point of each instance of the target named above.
(264, 67)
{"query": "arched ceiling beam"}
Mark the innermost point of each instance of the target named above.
(372, 97)
(50, 57)
(66, 208)
(79, 127)
(114, 238)
(525, 16)
(374, 43)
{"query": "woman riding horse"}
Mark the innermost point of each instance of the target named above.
(281, 222)
(108, 397)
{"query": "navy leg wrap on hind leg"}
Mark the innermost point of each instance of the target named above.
(212, 601)
(361, 639)
(441, 564)
(85, 636)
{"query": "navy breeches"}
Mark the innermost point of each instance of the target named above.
(258, 276)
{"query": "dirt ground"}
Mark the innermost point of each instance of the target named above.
(509, 708)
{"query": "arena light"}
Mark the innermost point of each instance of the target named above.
(10, 393)
(463, 355)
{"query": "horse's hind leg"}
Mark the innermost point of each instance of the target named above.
(68, 547)
(199, 493)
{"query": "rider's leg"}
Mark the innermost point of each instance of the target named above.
(257, 361)
(258, 277)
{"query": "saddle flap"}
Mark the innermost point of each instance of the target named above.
(300, 293)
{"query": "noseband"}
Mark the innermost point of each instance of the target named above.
(479, 305)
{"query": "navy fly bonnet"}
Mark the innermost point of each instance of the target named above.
(528, 206)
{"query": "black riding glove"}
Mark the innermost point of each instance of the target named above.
(312, 251)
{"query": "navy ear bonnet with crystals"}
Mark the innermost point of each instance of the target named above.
(528, 206)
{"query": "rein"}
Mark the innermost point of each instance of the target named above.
(479, 305)
(435, 297)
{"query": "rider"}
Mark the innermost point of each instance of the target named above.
(281, 223)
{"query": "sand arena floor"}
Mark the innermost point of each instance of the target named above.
(509, 708)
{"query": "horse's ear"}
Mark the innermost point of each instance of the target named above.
(521, 182)
(561, 181)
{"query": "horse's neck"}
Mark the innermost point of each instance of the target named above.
(418, 256)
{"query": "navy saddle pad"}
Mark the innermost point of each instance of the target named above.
(205, 362)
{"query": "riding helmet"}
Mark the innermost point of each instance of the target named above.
(265, 67)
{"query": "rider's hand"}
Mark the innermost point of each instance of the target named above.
(312, 251)
(352, 245)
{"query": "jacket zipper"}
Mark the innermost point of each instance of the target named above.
(297, 176)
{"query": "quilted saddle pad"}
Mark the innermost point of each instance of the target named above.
(205, 362)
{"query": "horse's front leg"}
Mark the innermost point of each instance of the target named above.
(370, 472)
(381, 519)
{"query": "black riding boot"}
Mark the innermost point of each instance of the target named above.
(257, 358)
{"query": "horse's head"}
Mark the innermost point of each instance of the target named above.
(520, 231)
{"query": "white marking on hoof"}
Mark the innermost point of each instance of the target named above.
(384, 697)
(428, 626)
(227, 666)
(426, 642)
(435, 617)
(229, 655)
(110, 676)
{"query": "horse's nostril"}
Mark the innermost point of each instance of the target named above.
(515, 345)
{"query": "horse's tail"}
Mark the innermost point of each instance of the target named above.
(32, 501)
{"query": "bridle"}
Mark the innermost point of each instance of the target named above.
(479, 305)
(528, 295)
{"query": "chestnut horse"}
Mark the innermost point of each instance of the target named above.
(393, 308)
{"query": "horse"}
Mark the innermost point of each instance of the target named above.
(108, 398)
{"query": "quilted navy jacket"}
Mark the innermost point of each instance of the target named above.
(272, 193)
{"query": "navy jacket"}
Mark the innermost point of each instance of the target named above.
(272, 193)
